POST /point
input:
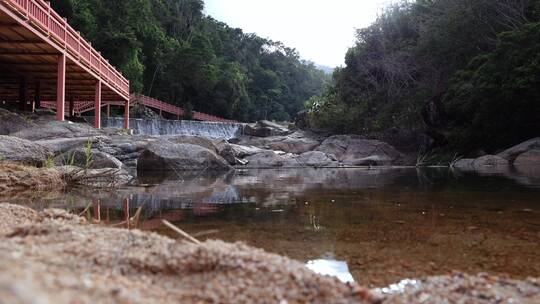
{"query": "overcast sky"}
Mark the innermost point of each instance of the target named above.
(321, 30)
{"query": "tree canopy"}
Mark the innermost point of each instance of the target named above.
(475, 63)
(170, 50)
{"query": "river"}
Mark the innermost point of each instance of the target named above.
(375, 227)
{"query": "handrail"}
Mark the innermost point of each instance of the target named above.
(85, 106)
(45, 19)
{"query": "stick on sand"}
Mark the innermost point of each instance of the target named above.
(181, 232)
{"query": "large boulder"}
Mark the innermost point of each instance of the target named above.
(11, 122)
(490, 161)
(355, 150)
(57, 129)
(193, 140)
(529, 158)
(167, 156)
(265, 128)
(316, 159)
(62, 145)
(512, 153)
(88, 159)
(295, 145)
(270, 159)
(23, 151)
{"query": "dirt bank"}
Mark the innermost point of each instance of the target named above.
(55, 257)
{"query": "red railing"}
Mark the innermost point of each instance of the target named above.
(80, 107)
(46, 20)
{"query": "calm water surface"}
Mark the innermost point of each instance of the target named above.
(375, 227)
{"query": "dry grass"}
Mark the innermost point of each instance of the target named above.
(16, 177)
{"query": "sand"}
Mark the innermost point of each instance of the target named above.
(56, 257)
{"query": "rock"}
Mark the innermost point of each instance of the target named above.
(99, 178)
(57, 129)
(295, 145)
(316, 159)
(490, 161)
(302, 120)
(512, 153)
(78, 157)
(167, 156)
(530, 158)
(11, 122)
(269, 159)
(355, 150)
(265, 128)
(228, 154)
(140, 111)
(23, 151)
(193, 140)
(464, 164)
(62, 145)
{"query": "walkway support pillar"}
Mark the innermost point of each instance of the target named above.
(61, 88)
(97, 105)
(23, 90)
(108, 110)
(126, 115)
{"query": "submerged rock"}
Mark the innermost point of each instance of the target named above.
(167, 156)
(23, 151)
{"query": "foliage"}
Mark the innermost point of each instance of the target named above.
(410, 56)
(494, 102)
(169, 50)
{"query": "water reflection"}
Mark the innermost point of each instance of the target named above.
(338, 269)
(377, 225)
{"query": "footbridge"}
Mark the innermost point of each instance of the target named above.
(43, 58)
(81, 107)
(44, 62)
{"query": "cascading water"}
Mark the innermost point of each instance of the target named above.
(218, 130)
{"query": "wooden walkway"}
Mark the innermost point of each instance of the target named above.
(80, 107)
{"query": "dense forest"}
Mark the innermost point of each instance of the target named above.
(170, 50)
(465, 72)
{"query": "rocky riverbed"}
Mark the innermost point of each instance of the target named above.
(56, 257)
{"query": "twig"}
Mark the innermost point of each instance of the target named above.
(181, 232)
(85, 209)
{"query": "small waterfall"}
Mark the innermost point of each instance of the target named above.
(216, 130)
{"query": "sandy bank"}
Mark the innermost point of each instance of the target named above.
(55, 257)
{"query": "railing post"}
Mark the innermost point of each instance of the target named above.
(97, 105)
(61, 88)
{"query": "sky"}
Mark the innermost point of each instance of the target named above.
(321, 30)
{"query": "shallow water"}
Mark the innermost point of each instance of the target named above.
(375, 227)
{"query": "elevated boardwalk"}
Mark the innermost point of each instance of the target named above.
(80, 107)
(44, 62)
(43, 58)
